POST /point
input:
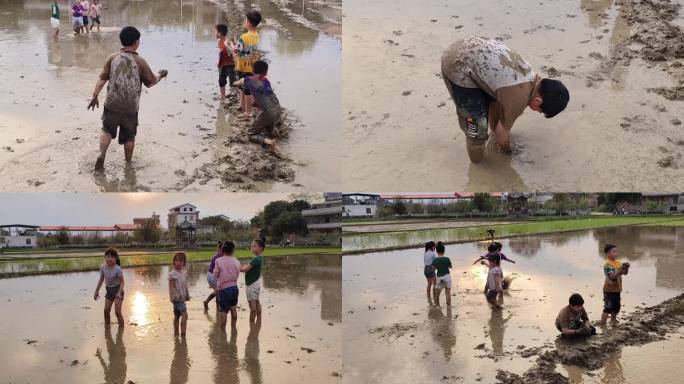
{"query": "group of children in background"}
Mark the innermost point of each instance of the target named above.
(239, 65)
(84, 16)
(222, 276)
(571, 320)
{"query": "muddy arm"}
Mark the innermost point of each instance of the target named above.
(172, 289)
(97, 289)
(119, 294)
(246, 268)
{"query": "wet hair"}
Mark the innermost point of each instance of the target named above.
(219, 245)
(608, 248)
(260, 67)
(495, 258)
(129, 35)
(429, 245)
(222, 29)
(180, 256)
(576, 299)
(554, 96)
(499, 246)
(261, 242)
(254, 17)
(113, 253)
(440, 247)
(228, 247)
(491, 247)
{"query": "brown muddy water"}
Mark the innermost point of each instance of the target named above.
(399, 118)
(301, 299)
(185, 139)
(405, 339)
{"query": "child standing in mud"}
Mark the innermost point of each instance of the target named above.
(210, 277)
(429, 270)
(178, 293)
(245, 54)
(612, 285)
(442, 265)
(112, 275)
(226, 272)
(252, 273)
(494, 281)
(226, 64)
(125, 71)
(54, 20)
(573, 320)
(269, 111)
(94, 13)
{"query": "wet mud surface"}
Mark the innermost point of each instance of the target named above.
(53, 329)
(621, 61)
(187, 141)
(406, 337)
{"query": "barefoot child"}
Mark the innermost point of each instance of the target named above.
(429, 269)
(112, 275)
(612, 286)
(226, 64)
(494, 281)
(226, 272)
(573, 320)
(210, 277)
(262, 129)
(245, 54)
(125, 71)
(54, 20)
(178, 293)
(253, 280)
(442, 265)
(77, 18)
(95, 11)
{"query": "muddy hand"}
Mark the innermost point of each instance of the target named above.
(93, 104)
(96, 295)
(163, 73)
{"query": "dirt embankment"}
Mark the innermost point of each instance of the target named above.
(643, 326)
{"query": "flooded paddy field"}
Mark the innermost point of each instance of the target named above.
(621, 61)
(186, 140)
(415, 226)
(53, 329)
(387, 315)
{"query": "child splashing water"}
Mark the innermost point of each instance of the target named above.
(112, 275)
(178, 293)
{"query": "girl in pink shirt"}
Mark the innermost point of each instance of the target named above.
(226, 272)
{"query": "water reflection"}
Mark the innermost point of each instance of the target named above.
(224, 353)
(252, 364)
(497, 327)
(442, 329)
(115, 369)
(180, 365)
(139, 309)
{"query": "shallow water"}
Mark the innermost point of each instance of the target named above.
(387, 315)
(400, 226)
(395, 47)
(301, 299)
(53, 140)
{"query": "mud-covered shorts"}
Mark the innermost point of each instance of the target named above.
(112, 291)
(264, 122)
(179, 307)
(228, 298)
(227, 75)
(127, 125)
(611, 302)
(472, 108)
(245, 88)
(429, 271)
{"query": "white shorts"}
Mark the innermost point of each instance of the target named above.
(443, 282)
(254, 290)
(54, 22)
(77, 21)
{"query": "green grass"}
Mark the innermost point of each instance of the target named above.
(72, 264)
(364, 242)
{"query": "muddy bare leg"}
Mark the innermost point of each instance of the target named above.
(105, 140)
(233, 317)
(117, 309)
(447, 292)
(128, 150)
(107, 311)
(183, 322)
(209, 298)
(176, 320)
(222, 317)
(436, 294)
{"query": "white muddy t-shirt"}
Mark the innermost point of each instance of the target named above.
(428, 257)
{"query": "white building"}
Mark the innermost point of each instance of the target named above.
(181, 214)
(359, 204)
(18, 236)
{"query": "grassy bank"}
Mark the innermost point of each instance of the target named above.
(367, 242)
(30, 266)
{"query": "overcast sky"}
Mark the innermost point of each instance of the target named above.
(120, 208)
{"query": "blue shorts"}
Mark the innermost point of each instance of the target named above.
(179, 307)
(85, 20)
(228, 298)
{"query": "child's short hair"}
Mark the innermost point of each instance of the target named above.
(180, 256)
(128, 36)
(260, 67)
(228, 247)
(254, 17)
(440, 247)
(576, 299)
(608, 248)
(222, 29)
(491, 247)
(261, 242)
(498, 245)
(111, 251)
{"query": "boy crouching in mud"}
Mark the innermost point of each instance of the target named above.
(125, 71)
(269, 112)
(112, 275)
(572, 320)
(178, 293)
